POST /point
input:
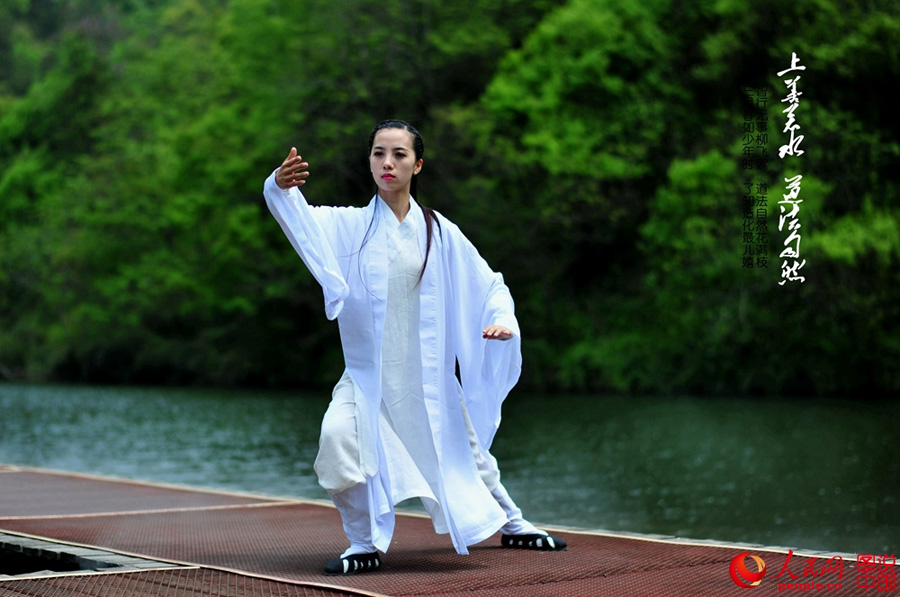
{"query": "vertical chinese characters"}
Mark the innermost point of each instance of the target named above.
(790, 204)
(754, 204)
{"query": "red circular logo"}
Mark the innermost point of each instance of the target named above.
(741, 575)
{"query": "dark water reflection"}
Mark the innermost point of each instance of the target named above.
(810, 474)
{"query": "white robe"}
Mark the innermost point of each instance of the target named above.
(459, 295)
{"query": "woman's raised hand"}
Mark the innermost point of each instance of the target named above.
(293, 171)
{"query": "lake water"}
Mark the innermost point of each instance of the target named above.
(810, 474)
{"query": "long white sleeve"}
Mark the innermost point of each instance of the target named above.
(488, 368)
(303, 229)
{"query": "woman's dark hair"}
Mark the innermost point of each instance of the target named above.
(419, 151)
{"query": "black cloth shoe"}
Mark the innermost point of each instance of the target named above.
(534, 541)
(353, 564)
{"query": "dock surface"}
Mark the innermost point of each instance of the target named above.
(218, 543)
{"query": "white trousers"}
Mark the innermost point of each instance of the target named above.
(339, 471)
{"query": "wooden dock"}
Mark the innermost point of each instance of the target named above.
(175, 541)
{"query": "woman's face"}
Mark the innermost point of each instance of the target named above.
(393, 162)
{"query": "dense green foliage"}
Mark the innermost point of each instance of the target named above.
(591, 149)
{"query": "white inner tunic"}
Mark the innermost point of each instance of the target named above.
(408, 444)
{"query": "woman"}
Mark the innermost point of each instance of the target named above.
(410, 294)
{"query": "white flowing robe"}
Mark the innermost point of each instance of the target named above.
(459, 295)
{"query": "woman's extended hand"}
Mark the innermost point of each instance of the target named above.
(496, 332)
(292, 172)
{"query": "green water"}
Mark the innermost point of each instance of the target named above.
(810, 474)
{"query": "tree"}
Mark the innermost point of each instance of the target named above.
(622, 120)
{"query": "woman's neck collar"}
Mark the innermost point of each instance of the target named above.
(400, 205)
